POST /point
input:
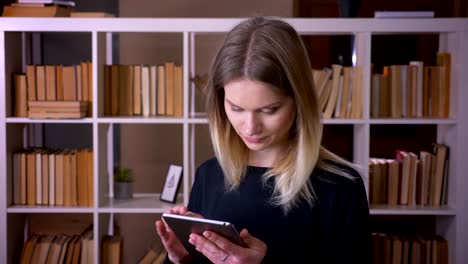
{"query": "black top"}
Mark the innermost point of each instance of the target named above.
(334, 230)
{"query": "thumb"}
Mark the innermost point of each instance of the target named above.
(251, 241)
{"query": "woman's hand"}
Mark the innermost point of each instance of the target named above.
(175, 250)
(220, 250)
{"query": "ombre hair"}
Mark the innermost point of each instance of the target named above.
(270, 51)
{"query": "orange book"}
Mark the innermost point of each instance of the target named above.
(90, 174)
(41, 82)
(137, 105)
(69, 83)
(51, 82)
(161, 87)
(31, 178)
(125, 90)
(169, 88)
(21, 96)
(59, 190)
(31, 76)
(59, 82)
(37, 11)
(28, 249)
(90, 88)
(84, 83)
(444, 59)
(178, 91)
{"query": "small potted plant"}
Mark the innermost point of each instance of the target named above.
(123, 183)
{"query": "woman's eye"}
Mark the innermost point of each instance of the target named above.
(269, 110)
(236, 109)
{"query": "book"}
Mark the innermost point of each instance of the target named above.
(403, 14)
(39, 11)
(56, 2)
(91, 14)
(21, 96)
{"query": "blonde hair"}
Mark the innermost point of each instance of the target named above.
(270, 50)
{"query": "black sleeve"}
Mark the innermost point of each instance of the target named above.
(194, 204)
(353, 236)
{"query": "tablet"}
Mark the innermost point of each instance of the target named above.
(183, 226)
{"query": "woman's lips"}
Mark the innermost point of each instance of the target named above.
(254, 139)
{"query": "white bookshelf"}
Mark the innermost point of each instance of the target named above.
(451, 220)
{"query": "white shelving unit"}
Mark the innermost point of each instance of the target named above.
(451, 220)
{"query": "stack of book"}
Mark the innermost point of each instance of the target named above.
(57, 109)
(39, 8)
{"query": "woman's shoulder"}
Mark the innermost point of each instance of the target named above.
(323, 175)
(210, 165)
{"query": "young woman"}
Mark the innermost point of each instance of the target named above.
(294, 201)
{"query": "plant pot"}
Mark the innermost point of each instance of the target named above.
(123, 190)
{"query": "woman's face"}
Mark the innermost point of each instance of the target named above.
(261, 115)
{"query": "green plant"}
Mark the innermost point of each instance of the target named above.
(123, 174)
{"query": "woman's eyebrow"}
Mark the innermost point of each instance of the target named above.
(266, 106)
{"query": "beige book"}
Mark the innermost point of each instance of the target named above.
(137, 90)
(67, 182)
(345, 93)
(59, 190)
(331, 104)
(21, 96)
(405, 159)
(396, 89)
(357, 93)
(178, 91)
(153, 90)
(69, 83)
(169, 88)
(45, 178)
(41, 82)
(145, 90)
(419, 86)
(31, 79)
(73, 179)
(325, 95)
(38, 154)
(24, 175)
(52, 178)
(161, 103)
(51, 83)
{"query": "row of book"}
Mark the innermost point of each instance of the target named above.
(53, 249)
(397, 249)
(412, 91)
(143, 90)
(53, 177)
(53, 83)
(410, 180)
(339, 90)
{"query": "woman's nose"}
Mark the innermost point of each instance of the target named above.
(251, 124)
